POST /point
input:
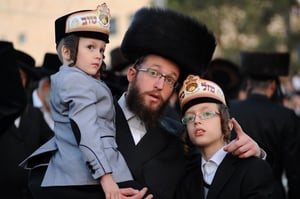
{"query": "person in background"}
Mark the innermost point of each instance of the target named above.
(216, 173)
(41, 95)
(227, 75)
(115, 77)
(14, 101)
(27, 132)
(267, 121)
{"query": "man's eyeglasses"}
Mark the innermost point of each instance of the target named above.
(202, 116)
(155, 74)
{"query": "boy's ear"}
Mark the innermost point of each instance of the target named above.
(65, 52)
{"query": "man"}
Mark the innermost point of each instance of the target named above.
(226, 74)
(22, 137)
(266, 120)
(165, 46)
(14, 101)
(115, 77)
(41, 95)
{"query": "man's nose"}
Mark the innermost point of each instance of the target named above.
(160, 82)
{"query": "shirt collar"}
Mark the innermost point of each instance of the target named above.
(122, 102)
(36, 100)
(217, 158)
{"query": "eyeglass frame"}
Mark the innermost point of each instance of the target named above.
(202, 116)
(168, 80)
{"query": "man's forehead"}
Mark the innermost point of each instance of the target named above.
(165, 65)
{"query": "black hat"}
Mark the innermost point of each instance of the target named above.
(172, 35)
(118, 61)
(226, 74)
(50, 65)
(27, 63)
(265, 65)
(14, 98)
(84, 23)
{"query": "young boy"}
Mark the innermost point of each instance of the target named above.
(83, 151)
(208, 127)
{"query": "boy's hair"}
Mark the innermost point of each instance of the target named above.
(70, 42)
(226, 131)
(225, 117)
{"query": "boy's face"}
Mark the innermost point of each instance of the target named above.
(90, 55)
(205, 129)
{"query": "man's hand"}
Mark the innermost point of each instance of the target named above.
(130, 193)
(243, 146)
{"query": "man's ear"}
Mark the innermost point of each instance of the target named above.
(131, 73)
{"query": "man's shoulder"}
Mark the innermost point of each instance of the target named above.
(172, 126)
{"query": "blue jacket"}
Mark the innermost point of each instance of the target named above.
(84, 146)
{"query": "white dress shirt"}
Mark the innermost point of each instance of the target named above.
(46, 114)
(209, 168)
(213, 164)
(136, 125)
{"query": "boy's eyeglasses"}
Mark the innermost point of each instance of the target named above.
(155, 74)
(202, 116)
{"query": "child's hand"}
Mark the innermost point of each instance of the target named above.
(110, 188)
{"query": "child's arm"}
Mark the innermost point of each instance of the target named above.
(110, 188)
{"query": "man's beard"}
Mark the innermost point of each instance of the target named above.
(135, 102)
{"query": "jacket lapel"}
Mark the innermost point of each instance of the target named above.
(222, 176)
(137, 155)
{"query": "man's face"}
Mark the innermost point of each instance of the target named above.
(150, 90)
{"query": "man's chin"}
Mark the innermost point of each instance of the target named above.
(153, 106)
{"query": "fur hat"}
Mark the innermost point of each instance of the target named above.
(196, 90)
(118, 61)
(50, 65)
(226, 74)
(172, 35)
(84, 23)
(264, 65)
